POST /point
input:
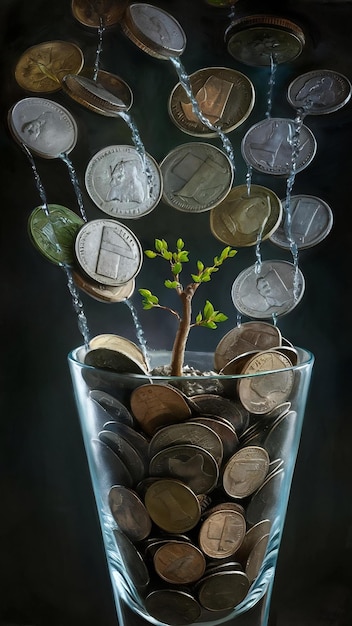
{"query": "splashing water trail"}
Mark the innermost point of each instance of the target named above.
(274, 318)
(185, 82)
(294, 131)
(139, 330)
(101, 30)
(77, 305)
(238, 319)
(38, 181)
(258, 253)
(249, 178)
(271, 85)
(75, 184)
(138, 144)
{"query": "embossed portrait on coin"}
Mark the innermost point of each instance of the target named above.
(317, 91)
(125, 183)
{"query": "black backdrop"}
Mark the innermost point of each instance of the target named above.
(52, 566)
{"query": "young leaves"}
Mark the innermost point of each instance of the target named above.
(209, 317)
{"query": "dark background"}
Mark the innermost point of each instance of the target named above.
(52, 565)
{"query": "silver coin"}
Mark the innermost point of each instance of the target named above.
(133, 564)
(187, 433)
(45, 127)
(311, 220)
(191, 464)
(153, 30)
(126, 452)
(108, 95)
(197, 176)
(319, 92)
(129, 513)
(108, 252)
(268, 147)
(273, 291)
(113, 409)
(121, 184)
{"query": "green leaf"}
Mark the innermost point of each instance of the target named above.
(183, 256)
(205, 278)
(208, 310)
(145, 292)
(199, 318)
(196, 278)
(177, 268)
(147, 305)
(232, 253)
(171, 284)
(220, 317)
(180, 244)
(209, 324)
(150, 254)
(153, 299)
(166, 254)
(159, 245)
(200, 266)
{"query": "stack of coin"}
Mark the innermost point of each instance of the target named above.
(192, 483)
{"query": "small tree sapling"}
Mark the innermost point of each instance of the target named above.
(208, 318)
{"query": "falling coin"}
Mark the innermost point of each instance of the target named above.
(319, 92)
(108, 94)
(310, 221)
(53, 232)
(99, 13)
(42, 68)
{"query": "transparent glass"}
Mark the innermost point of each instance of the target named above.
(134, 581)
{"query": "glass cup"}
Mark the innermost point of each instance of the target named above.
(191, 526)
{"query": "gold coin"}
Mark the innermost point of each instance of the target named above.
(103, 293)
(225, 97)
(172, 505)
(42, 68)
(246, 216)
(98, 13)
(260, 40)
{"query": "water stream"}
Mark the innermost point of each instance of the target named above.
(138, 144)
(76, 301)
(186, 84)
(271, 85)
(75, 183)
(139, 331)
(99, 49)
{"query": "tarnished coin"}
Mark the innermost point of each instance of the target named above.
(261, 40)
(153, 30)
(191, 464)
(98, 13)
(129, 513)
(233, 412)
(45, 127)
(261, 393)
(190, 432)
(104, 293)
(256, 557)
(115, 410)
(197, 176)
(172, 505)
(253, 534)
(222, 533)
(108, 252)
(158, 405)
(108, 94)
(309, 221)
(132, 560)
(53, 232)
(179, 562)
(126, 452)
(42, 68)
(173, 606)
(281, 436)
(245, 338)
(225, 506)
(121, 344)
(121, 184)
(246, 216)
(224, 96)
(273, 291)
(223, 591)
(268, 146)
(245, 471)
(319, 92)
(225, 432)
(106, 358)
(264, 502)
(110, 469)
(136, 439)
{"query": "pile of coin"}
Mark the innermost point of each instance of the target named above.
(192, 482)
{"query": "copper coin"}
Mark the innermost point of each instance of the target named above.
(156, 405)
(191, 464)
(103, 293)
(129, 513)
(245, 471)
(172, 505)
(98, 13)
(179, 562)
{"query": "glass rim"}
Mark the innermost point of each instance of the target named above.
(306, 359)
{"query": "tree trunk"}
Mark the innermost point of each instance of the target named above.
(179, 347)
